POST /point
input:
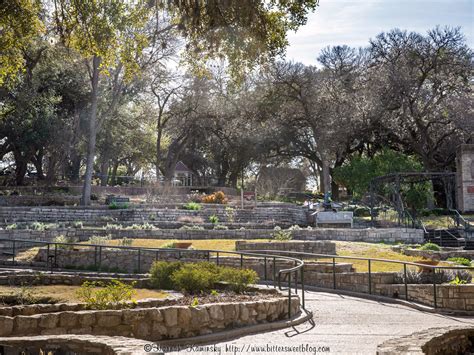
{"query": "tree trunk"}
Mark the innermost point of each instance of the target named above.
(159, 133)
(86, 190)
(38, 163)
(104, 169)
(21, 166)
(326, 181)
(113, 179)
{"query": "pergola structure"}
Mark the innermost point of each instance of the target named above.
(447, 179)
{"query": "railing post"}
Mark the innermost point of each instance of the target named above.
(265, 268)
(370, 278)
(13, 251)
(217, 259)
(274, 272)
(406, 280)
(434, 289)
(334, 273)
(139, 260)
(241, 261)
(208, 256)
(289, 294)
(302, 285)
(47, 256)
(100, 257)
(156, 255)
(296, 278)
(56, 254)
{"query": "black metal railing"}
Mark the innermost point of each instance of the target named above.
(434, 269)
(10, 248)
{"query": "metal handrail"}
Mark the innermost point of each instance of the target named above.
(369, 262)
(459, 218)
(299, 264)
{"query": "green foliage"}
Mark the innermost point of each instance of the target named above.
(114, 294)
(430, 246)
(100, 240)
(39, 226)
(281, 234)
(199, 277)
(221, 227)
(160, 274)
(169, 245)
(357, 173)
(77, 224)
(192, 228)
(194, 278)
(230, 214)
(111, 226)
(195, 302)
(213, 219)
(192, 206)
(11, 226)
(458, 281)
(118, 206)
(238, 279)
(64, 239)
(461, 261)
(125, 242)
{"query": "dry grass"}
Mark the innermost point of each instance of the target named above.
(214, 244)
(372, 250)
(64, 293)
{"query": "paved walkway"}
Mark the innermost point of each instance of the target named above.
(342, 325)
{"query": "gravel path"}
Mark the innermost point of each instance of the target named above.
(342, 325)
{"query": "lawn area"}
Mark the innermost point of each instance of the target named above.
(372, 250)
(214, 244)
(64, 293)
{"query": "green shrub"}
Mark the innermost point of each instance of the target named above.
(230, 214)
(118, 206)
(111, 226)
(114, 294)
(194, 278)
(125, 242)
(213, 219)
(239, 280)
(77, 224)
(199, 277)
(11, 226)
(361, 212)
(169, 245)
(430, 246)
(192, 228)
(99, 240)
(458, 281)
(281, 235)
(64, 239)
(461, 261)
(160, 274)
(221, 226)
(192, 206)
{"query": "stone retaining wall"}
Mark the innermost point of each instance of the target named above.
(317, 234)
(33, 200)
(277, 215)
(127, 260)
(433, 341)
(315, 247)
(151, 324)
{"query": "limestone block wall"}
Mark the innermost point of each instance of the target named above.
(465, 178)
(317, 234)
(439, 255)
(316, 247)
(271, 215)
(151, 323)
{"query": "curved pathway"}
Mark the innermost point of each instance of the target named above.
(342, 325)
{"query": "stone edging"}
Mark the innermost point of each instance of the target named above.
(446, 340)
(303, 316)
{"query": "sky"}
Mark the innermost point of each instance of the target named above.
(354, 22)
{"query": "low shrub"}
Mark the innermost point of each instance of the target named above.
(221, 226)
(192, 206)
(361, 212)
(442, 276)
(125, 242)
(194, 278)
(230, 214)
(11, 226)
(199, 277)
(64, 239)
(77, 224)
(213, 219)
(461, 261)
(217, 197)
(118, 206)
(160, 274)
(281, 235)
(238, 279)
(169, 245)
(111, 226)
(115, 294)
(99, 240)
(430, 246)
